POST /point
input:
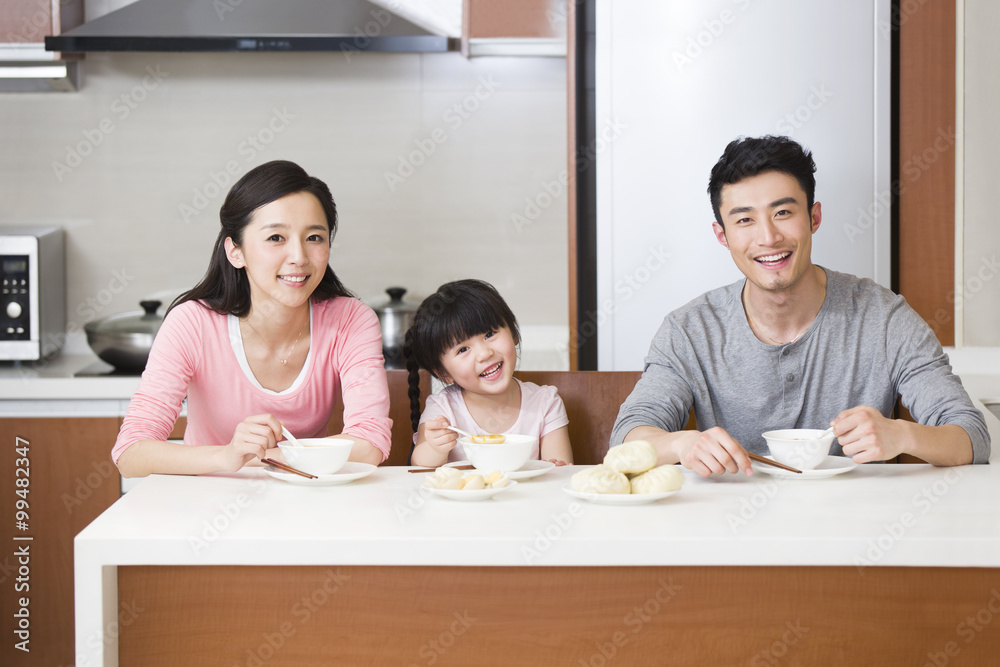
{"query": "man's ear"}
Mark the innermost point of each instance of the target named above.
(720, 234)
(234, 254)
(817, 216)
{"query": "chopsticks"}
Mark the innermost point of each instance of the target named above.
(467, 467)
(771, 462)
(287, 468)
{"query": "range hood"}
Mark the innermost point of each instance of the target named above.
(250, 25)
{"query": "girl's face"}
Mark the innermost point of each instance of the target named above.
(285, 250)
(483, 364)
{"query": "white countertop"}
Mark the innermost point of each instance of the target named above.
(875, 515)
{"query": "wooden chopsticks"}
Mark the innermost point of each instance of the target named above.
(287, 468)
(771, 462)
(467, 467)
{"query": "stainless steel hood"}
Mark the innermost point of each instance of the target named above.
(249, 25)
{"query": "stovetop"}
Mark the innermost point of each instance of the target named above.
(101, 369)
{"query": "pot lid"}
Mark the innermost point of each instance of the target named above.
(146, 322)
(396, 304)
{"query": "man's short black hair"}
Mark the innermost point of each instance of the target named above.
(750, 156)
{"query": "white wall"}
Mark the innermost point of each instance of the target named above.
(129, 166)
(981, 245)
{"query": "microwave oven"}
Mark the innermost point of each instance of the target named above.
(33, 300)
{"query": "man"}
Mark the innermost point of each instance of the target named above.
(793, 345)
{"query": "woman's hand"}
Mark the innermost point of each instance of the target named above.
(253, 437)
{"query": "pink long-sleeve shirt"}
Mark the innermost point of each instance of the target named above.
(198, 353)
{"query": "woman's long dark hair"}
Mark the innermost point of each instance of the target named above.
(457, 311)
(225, 288)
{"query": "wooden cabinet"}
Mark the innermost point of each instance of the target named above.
(67, 479)
(31, 21)
(514, 27)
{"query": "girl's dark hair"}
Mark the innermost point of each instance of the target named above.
(750, 156)
(225, 288)
(457, 311)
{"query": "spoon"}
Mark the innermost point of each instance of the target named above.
(289, 437)
(825, 433)
(459, 431)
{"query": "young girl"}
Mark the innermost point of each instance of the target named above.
(269, 336)
(466, 336)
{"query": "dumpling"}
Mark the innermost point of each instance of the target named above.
(658, 480)
(631, 457)
(600, 479)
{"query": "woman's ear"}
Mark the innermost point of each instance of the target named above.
(234, 254)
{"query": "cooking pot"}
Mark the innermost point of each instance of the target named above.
(124, 340)
(395, 316)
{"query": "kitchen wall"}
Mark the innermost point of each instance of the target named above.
(981, 144)
(442, 168)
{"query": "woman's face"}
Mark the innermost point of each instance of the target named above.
(285, 251)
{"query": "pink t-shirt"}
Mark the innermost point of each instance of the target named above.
(542, 411)
(198, 353)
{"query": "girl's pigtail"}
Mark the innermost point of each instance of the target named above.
(413, 378)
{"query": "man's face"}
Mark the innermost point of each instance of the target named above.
(768, 229)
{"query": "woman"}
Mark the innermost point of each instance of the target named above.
(269, 336)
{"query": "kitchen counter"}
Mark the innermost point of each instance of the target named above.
(876, 518)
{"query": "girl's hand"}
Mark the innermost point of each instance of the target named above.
(557, 462)
(253, 437)
(440, 438)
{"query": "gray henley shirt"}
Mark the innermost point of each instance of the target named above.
(865, 347)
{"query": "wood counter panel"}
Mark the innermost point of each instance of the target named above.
(72, 480)
(558, 616)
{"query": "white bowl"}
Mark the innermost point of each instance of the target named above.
(798, 447)
(318, 456)
(507, 456)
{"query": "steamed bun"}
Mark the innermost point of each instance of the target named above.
(600, 479)
(631, 457)
(658, 480)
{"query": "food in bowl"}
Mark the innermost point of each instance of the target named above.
(508, 456)
(317, 456)
(489, 439)
(453, 478)
(799, 447)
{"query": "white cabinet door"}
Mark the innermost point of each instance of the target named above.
(676, 81)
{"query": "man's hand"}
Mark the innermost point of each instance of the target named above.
(866, 435)
(711, 452)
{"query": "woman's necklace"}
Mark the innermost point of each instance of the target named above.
(753, 323)
(284, 362)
